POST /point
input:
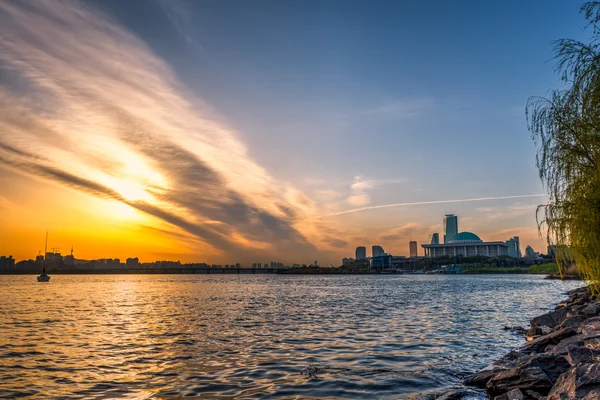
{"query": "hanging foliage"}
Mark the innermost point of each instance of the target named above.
(566, 128)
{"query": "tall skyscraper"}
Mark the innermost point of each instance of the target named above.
(450, 227)
(377, 251)
(361, 253)
(435, 238)
(514, 248)
(414, 252)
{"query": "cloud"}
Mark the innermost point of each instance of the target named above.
(359, 188)
(417, 203)
(402, 108)
(95, 110)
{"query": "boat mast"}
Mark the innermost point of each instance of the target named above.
(45, 253)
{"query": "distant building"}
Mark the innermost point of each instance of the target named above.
(348, 261)
(361, 253)
(132, 262)
(412, 246)
(529, 253)
(377, 251)
(514, 248)
(435, 238)
(466, 244)
(7, 263)
(450, 227)
(383, 261)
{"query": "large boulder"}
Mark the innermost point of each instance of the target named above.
(538, 374)
(540, 344)
(481, 378)
(562, 348)
(582, 355)
(550, 319)
(577, 383)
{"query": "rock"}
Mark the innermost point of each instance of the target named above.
(552, 318)
(515, 329)
(593, 395)
(451, 395)
(593, 344)
(572, 322)
(542, 342)
(530, 394)
(511, 360)
(514, 394)
(533, 332)
(592, 309)
(538, 373)
(481, 378)
(579, 382)
(582, 355)
(531, 377)
(590, 325)
(577, 340)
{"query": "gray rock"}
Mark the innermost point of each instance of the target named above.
(481, 378)
(550, 319)
(573, 322)
(530, 394)
(529, 378)
(593, 395)
(542, 342)
(533, 332)
(515, 329)
(592, 309)
(579, 382)
(538, 373)
(562, 348)
(590, 325)
(514, 394)
(582, 355)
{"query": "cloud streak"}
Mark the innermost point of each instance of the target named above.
(86, 104)
(418, 203)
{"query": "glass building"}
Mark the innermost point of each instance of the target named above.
(450, 227)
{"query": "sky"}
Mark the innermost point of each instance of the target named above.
(236, 131)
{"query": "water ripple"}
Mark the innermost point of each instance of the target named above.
(155, 336)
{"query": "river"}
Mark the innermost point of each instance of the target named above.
(259, 336)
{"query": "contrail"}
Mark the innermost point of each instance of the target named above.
(418, 203)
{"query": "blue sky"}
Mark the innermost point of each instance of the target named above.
(356, 103)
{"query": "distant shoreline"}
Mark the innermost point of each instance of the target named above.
(243, 271)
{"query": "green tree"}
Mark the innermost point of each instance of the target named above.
(566, 128)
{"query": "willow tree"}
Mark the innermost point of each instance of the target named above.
(566, 128)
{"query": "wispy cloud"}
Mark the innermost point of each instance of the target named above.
(95, 110)
(402, 108)
(417, 203)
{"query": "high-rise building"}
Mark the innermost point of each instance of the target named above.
(435, 238)
(529, 252)
(514, 248)
(361, 253)
(377, 251)
(414, 252)
(450, 227)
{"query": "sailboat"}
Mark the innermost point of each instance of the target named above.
(44, 277)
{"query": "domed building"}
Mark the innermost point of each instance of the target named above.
(466, 244)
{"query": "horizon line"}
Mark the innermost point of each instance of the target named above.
(417, 203)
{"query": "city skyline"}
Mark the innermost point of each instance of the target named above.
(181, 140)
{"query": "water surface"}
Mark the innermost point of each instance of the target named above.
(258, 336)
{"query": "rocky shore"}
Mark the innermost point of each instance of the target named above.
(560, 361)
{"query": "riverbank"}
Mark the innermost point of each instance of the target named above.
(561, 359)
